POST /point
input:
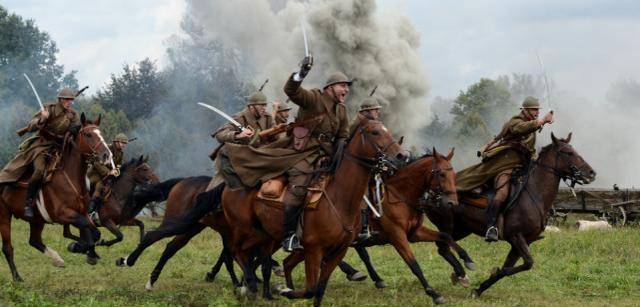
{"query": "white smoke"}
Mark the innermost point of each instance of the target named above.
(344, 35)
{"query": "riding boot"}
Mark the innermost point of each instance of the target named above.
(94, 207)
(492, 218)
(365, 231)
(291, 241)
(32, 191)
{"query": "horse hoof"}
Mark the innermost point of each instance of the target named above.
(380, 284)
(279, 271)
(92, 260)
(121, 262)
(357, 276)
(470, 265)
(463, 281)
(475, 293)
(74, 247)
(209, 277)
(439, 300)
(58, 263)
(148, 286)
(242, 291)
(285, 291)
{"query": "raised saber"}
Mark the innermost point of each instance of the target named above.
(304, 35)
(546, 81)
(34, 92)
(227, 117)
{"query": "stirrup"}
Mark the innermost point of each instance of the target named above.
(492, 234)
(291, 244)
(95, 217)
(28, 209)
(364, 235)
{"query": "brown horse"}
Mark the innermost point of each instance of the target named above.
(121, 209)
(181, 195)
(525, 220)
(328, 230)
(402, 218)
(65, 197)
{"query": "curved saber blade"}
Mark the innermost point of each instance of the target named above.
(546, 81)
(304, 35)
(227, 117)
(34, 91)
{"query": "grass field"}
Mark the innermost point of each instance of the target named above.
(600, 268)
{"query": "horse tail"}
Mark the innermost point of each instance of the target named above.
(205, 203)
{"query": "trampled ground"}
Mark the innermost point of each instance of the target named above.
(571, 269)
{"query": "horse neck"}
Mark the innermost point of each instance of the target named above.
(543, 184)
(123, 187)
(349, 184)
(75, 167)
(412, 180)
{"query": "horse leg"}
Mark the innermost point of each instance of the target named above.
(66, 232)
(289, 264)
(35, 240)
(364, 256)
(277, 268)
(351, 273)
(113, 228)
(400, 242)
(148, 239)
(244, 260)
(519, 248)
(228, 264)
(171, 249)
(211, 276)
(140, 225)
(325, 273)
(87, 234)
(266, 272)
(7, 247)
(443, 240)
(312, 263)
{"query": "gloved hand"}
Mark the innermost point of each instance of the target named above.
(305, 66)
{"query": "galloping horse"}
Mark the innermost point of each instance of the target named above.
(402, 218)
(121, 209)
(328, 230)
(65, 197)
(526, 219)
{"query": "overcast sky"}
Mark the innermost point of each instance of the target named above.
(585, 45)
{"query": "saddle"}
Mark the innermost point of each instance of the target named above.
(53, 159)
(482, 196)
(273, 190)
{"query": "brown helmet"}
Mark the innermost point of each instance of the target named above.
(257, 98)
(369, 103)
(337, 77)
(66, 93)
(283, 107)
(531, 103)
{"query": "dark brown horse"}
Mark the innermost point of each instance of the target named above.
(121, 209)
(403, 217)
(525, 220)
(65, 197)
(328, 230)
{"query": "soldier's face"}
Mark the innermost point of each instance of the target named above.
(284, 114)
(120, 145)
(374, 114)
(533, 113)
(260, 109)
(340, 91)
(66, 103)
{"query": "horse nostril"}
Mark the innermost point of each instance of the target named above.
(400, 156)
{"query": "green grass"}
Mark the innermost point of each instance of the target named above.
(571, 269)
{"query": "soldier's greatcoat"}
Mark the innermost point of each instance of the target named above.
(226, 133)
(517, 134)
(255, 165)
(50, 134)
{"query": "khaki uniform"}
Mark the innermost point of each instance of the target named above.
(98, 172)
(226, 133)
(33, 150)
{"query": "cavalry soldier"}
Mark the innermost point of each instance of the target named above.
(369, 109)
(51, 123)
(254, 117)
(513, 148)
(320, 141)
(281, 112)
(102, 176)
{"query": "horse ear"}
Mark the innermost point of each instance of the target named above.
(140, 160)
(568, 139)
(83, 119)
(99, 119)
(434, 152)
(554, 139)
(401, 140)
(450, 155)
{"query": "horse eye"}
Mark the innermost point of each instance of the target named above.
(375, 132)
(87, 135)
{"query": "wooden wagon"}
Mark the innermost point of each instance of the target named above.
(617, 206)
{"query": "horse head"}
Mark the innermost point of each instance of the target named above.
(442, 183)
(373, 145)
(141, 173)
(89, 140)
(565, 161)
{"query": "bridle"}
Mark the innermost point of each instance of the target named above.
(437, 193)
(95, 147)
(575, 174)
(382, 163)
